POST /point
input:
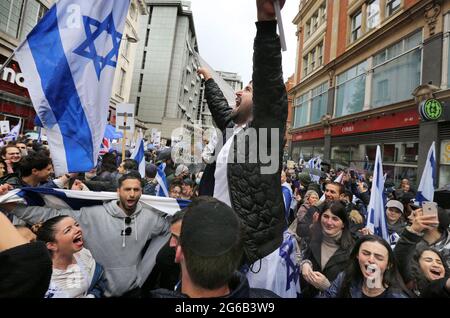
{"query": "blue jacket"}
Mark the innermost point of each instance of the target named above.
(356, 290)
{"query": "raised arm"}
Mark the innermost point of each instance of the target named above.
(217, 103)
(269, 92)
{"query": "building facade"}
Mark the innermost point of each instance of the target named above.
(123, 76)
(362, 69)
(17, 19)
(165, 86)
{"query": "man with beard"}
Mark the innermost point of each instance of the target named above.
(261, 109)
(121, 234)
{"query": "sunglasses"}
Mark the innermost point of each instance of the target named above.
(128, 230)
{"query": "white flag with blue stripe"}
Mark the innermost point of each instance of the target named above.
(14, 132)
(69, 59)
(425, 192)
(161, 188)
(63, 199)
(138, 155)
(376, 217)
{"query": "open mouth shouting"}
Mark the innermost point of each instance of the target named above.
(78, 241)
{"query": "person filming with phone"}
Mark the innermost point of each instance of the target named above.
(429, 228)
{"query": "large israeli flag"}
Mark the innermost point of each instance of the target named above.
(425, 192)
(376, 218)
(69, 59)
(64, 199)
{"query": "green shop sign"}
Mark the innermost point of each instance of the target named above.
(431, 109)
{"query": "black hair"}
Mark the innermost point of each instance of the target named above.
(340, 186)
(420, 282)
(339, 209)
(214, 271)
(32, 161)
(353, 275)
(130, 175)
(130, 164)
(47, 230)
(179, 215)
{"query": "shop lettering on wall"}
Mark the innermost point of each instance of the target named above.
(9, 75)
(348, 129)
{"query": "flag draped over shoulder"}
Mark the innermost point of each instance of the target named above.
(59, 198)
(425, 192)
(376, 217)
(69, 61)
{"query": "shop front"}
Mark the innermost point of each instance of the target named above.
(353, 144)
(15, 103)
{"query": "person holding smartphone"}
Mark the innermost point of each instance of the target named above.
(425, 231)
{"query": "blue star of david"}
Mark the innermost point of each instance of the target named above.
(87, 48)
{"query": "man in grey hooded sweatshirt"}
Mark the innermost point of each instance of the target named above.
(122, 235)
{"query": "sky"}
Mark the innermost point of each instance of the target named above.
(225, 31)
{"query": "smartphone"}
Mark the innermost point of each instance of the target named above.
(430, 208)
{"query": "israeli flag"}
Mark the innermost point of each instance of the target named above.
(278, 271)
(71, 199)
(69, 59)
(161, 188)
(14, 132)
(425, 192)
(138, 155)
(376, 218)
(287, 197)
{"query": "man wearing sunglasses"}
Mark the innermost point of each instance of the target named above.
(121, 234)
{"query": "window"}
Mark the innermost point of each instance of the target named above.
(141, 80)
(444, 175)
(301, 111)
(147, 35)
(11, 16)
(150, 11)
(317, 19)
(313, 59)
(144, 57)
(319, 101)
(350, 90)
(356, 26)
(122, 81)
(392, 6)
(42, 11)
(126, 48)
(397, 71)
(138, 103)
(373, 14)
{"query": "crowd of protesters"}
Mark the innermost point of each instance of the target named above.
(123, 248)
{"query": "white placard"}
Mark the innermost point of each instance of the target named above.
(4, 126)
(157, 139)
(121, 110)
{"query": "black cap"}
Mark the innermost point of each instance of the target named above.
(210, 228)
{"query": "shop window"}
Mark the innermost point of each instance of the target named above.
(350, 90)
(444, 173)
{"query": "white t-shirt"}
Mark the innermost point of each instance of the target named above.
(73, 282)
(221, 191)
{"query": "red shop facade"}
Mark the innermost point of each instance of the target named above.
(349, 143)
(15, 102)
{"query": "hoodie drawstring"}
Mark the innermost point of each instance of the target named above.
(123, 234)
(136, 227)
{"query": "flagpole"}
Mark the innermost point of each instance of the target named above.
(124, 139)
(2, 67)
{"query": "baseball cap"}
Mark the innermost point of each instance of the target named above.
(395, 204)
(210, 228)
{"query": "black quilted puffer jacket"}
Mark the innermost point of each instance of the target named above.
(255, 197)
